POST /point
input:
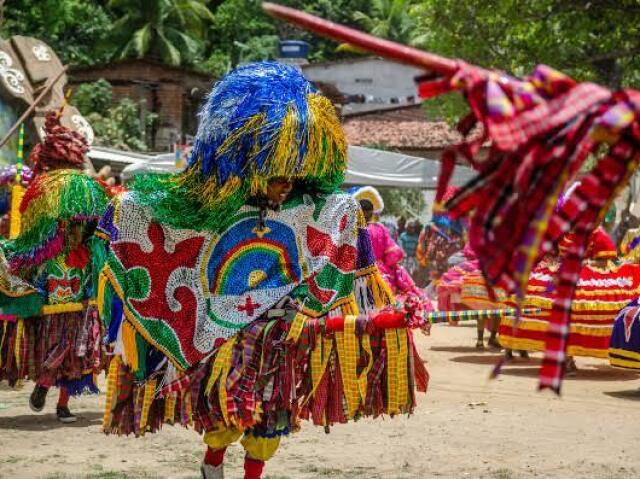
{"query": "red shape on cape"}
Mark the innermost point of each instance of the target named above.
(321, 244)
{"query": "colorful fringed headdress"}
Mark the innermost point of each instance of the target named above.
(263, 121)
(61, 147)
(52, 200)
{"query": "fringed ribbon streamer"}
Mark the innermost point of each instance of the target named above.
(17, 193)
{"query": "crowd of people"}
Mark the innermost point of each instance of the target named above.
(437, 264)
(248, 293)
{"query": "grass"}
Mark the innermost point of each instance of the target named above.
(117, 475)
(323, 471)
(503, 473)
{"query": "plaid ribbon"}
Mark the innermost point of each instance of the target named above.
(541, 130)
(584, 209)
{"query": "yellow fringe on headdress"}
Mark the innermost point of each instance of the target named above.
(324, 155)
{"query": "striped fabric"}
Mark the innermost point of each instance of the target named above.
(538, 145)
(446, 316)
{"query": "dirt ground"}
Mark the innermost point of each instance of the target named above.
(465, 427)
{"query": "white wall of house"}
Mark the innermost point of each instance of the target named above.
(380, 81)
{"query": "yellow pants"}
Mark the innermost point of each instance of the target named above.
(260, 448)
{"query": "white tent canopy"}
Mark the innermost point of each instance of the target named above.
(367, 166)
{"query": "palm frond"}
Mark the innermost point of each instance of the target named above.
(170, 54)
(365, 20)
(142, 39)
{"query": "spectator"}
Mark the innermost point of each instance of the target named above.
(402, 223)
(409, 243)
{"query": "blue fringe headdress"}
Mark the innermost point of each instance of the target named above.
(261, 121)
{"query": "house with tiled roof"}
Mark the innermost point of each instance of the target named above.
(379, 105)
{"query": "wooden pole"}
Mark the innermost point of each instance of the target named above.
(385, 48)
(33, 106)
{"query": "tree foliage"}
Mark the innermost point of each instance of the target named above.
(591, 40)
(172, 31)
(389, 19)
(124, 125)
(73, 28)
(407, 202)
(597, 40)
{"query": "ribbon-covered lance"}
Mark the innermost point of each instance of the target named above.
(398, 318)
(540, 130)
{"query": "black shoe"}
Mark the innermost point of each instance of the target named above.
(64, 415)
(38, 398)
(524, 354)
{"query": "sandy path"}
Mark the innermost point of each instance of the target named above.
(465, 427)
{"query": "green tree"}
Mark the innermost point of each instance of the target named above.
(241, 31)
(389, 19)
(73, 28)
(407, 202)
(125, 125)
(596, 40)
(591, 41)
(93, 97)
(168, 30)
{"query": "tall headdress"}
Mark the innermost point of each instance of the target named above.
(263, 121)
(49, 204)
(61, 147)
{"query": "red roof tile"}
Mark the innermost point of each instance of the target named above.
(400, 134)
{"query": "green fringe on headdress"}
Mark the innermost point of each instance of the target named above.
(52, 200)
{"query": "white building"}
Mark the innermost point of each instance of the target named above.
(369, 83)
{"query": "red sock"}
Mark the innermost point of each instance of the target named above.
(252, 468)
(214, 457)
(63, 398)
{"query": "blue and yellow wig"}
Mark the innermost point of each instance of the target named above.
(263, 121)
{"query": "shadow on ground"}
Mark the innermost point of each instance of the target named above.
(41, 422)
(493, 358)
(591, 373)
(461, 349)
(630, 394)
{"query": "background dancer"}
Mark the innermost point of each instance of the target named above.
(56, 254)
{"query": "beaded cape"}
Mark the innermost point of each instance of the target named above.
(184, 290)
